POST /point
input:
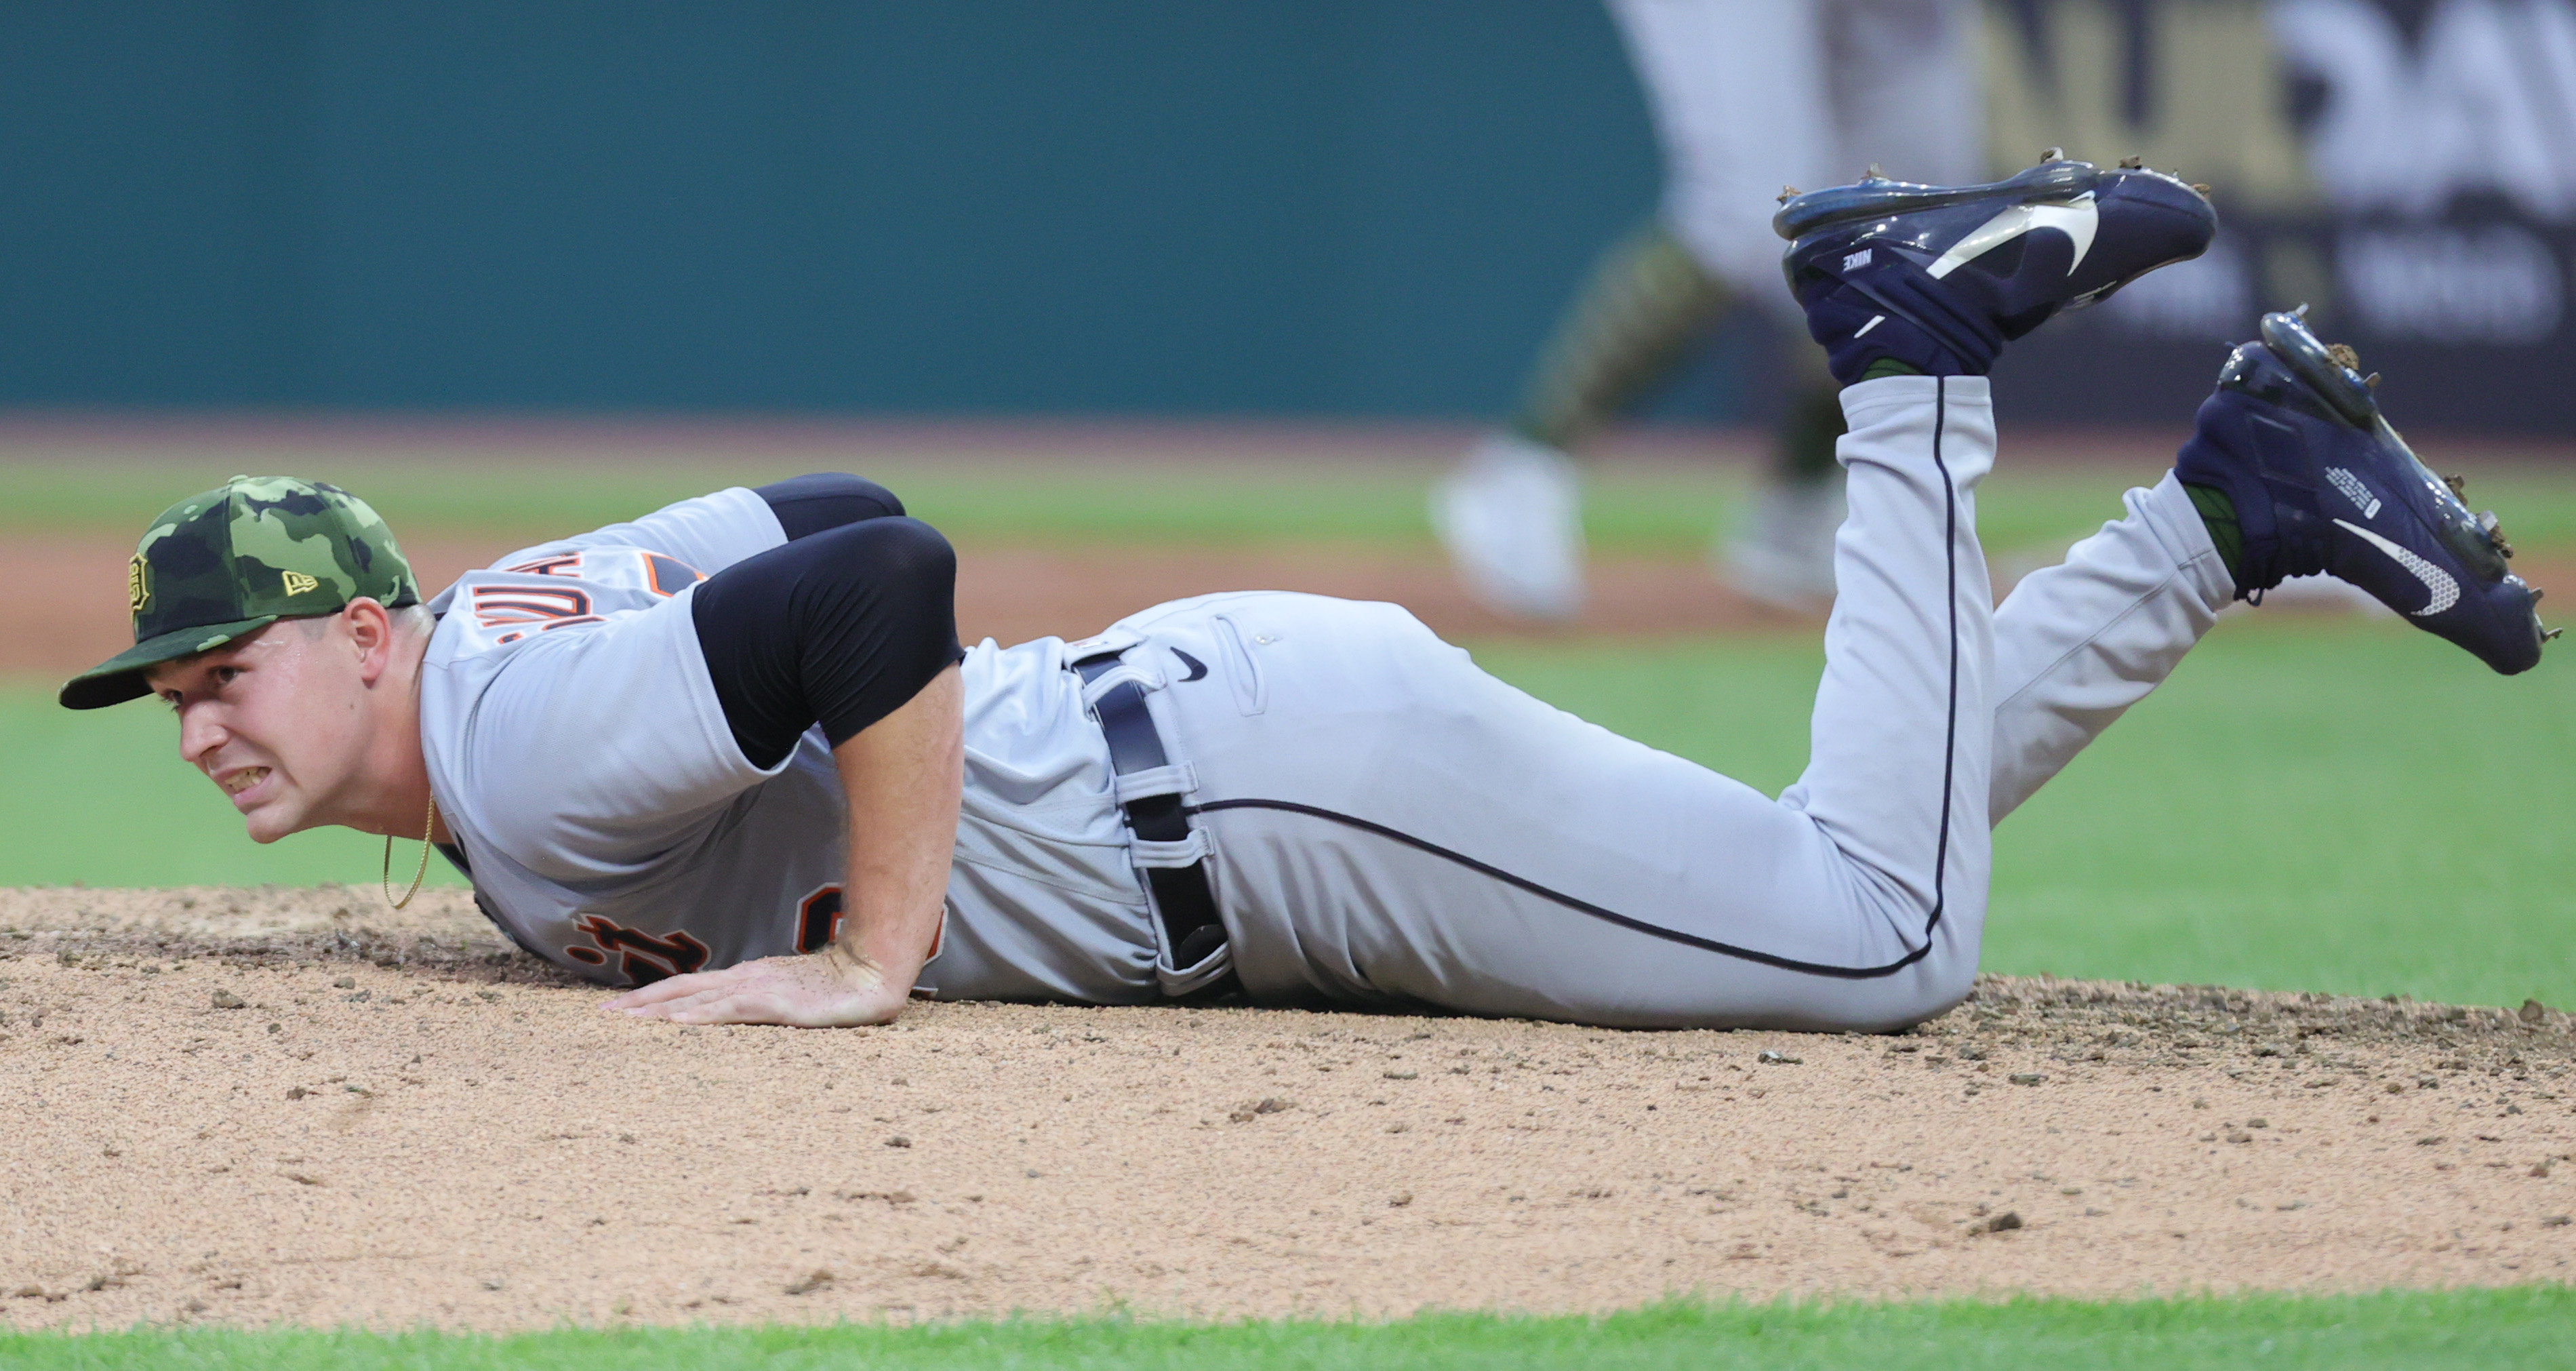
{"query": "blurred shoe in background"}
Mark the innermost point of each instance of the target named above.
(1511, 516)
(1781, 552)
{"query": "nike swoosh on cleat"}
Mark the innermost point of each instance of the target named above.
(2446, 591)
(1197, 667)
(2076, 221)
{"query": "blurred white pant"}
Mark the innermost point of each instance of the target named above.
(1386, 824)
(1752, 95)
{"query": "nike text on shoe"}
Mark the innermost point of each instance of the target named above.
(1511, 516)
(2294, 439)
(1940, 277)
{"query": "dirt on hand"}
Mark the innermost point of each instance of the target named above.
(254, 1107)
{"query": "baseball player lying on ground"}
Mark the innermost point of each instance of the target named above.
(731, 754)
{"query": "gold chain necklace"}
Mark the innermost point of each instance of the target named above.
(385, 878)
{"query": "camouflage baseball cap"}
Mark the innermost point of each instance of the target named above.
(230, 562)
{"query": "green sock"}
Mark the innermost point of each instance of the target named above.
(2219, 513)
(1802, 451)
(1647, 301)
(1887, 366)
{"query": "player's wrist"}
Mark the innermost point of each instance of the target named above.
(851, 965)
(870, 975)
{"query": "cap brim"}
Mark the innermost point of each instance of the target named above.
(120, 678)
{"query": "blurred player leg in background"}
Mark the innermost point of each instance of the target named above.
(1747, 96)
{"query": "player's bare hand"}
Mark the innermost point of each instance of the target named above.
(832, 988)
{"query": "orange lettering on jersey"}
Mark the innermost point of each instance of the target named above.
(560, 564)
(497, 605)
(644, 957)
(668, 576)
(818, 922)
(818, 918)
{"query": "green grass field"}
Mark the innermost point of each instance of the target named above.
(1631, 508)
(2477, 1330)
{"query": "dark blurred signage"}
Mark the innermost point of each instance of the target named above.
(2407, 168)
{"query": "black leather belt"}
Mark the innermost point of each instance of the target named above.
(1182, 896)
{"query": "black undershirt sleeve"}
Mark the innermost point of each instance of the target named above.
(841, 626)
(826, 499)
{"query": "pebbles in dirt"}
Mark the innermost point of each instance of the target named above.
(440, 1130)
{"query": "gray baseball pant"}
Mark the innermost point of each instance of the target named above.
(1387, 825)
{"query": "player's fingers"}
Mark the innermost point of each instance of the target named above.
(789, 1003)
(644, 995)
(732, 1008)
(669, 1005)
(669, 988)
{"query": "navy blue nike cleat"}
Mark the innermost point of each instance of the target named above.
(1941, 277)
(2294, 439)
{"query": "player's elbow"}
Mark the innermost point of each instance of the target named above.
(905, 556)
(876, 620)
(825, 500)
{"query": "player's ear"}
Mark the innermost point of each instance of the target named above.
(370, 630)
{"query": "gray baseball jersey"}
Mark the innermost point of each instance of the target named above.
(611, 824)
(1381, 822)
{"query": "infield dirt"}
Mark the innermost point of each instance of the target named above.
(255, 1107)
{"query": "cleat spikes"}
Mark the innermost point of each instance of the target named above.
(2488, 525)
(2372, 380)
(2547, 634)
(2301, 313)
(2537, 594)
(2201, 189)
(1925, 231)
(2458, 483)
(2049, 155)
(1875, 173)
(2289, 381)
(2132, 163)
(1787, 194)
(2345, 357)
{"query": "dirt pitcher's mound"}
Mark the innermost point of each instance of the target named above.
(253, 1107)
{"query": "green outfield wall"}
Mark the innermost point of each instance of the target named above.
(1126, 205)
(1332, 207)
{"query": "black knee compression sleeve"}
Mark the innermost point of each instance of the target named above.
(839, 627)
(827, 499)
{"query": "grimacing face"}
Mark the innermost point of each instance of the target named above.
(277, 720)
